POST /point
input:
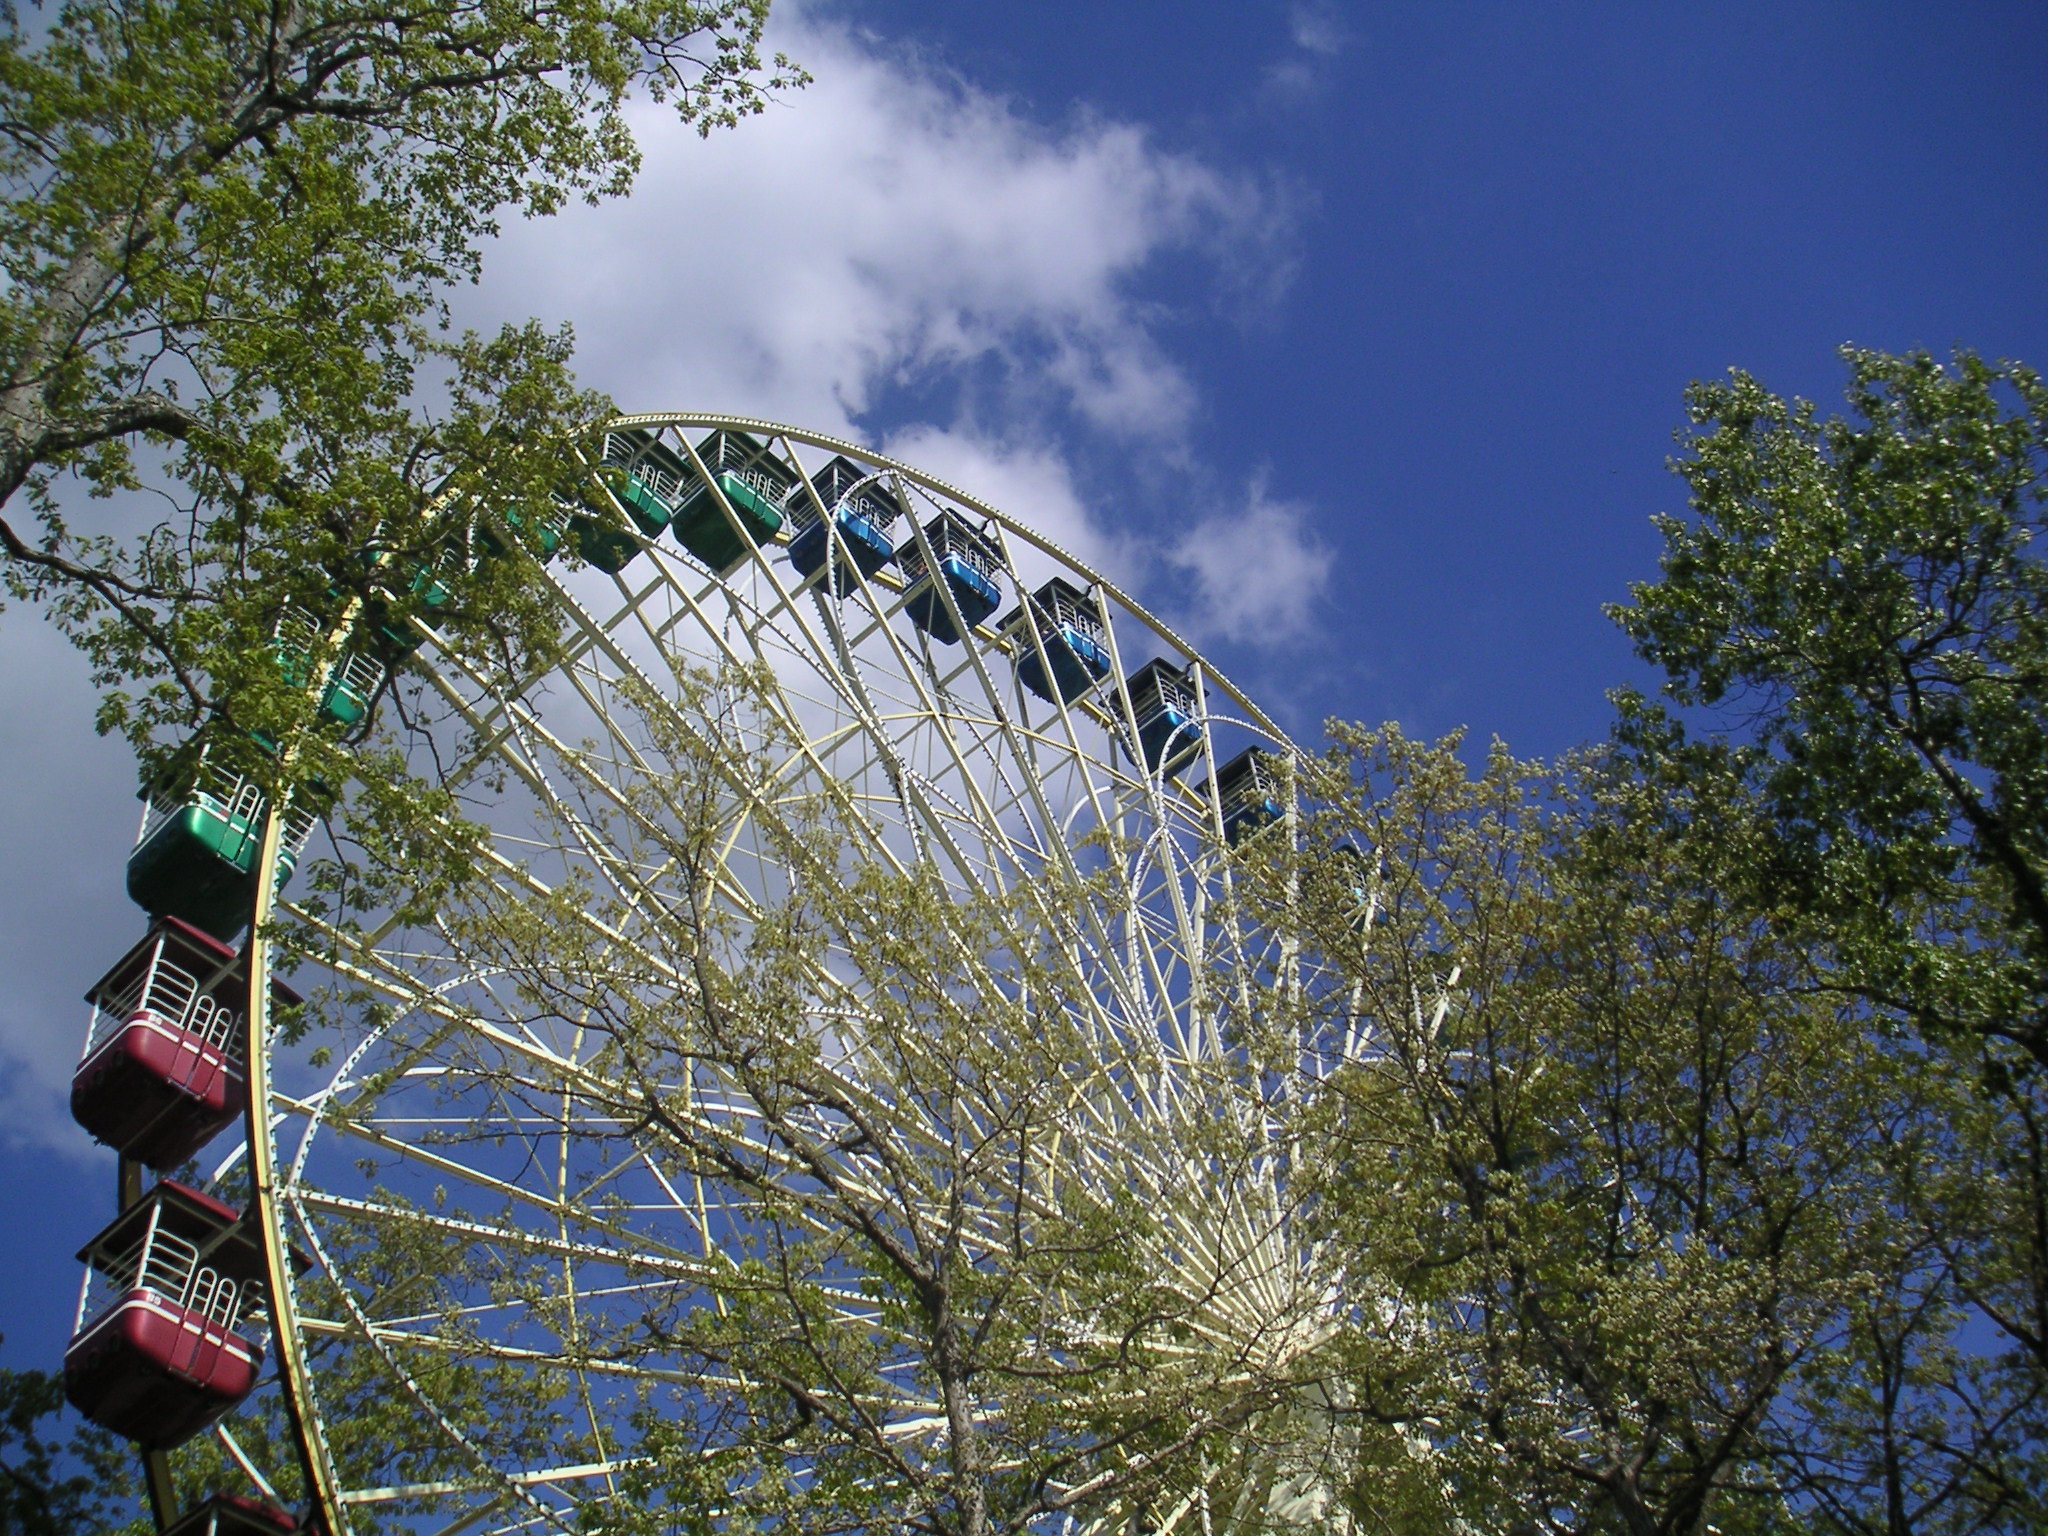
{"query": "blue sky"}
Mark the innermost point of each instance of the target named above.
(1518, 231)
(1352, 336)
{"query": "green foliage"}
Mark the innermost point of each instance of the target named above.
(229, 234)
(231, 396)
(1596, 1213)
(1691, 1170)
(227, 243)
(960, 1283)
(1865, 601)
(1859, 605)
(379, 1428)
(53, 1487)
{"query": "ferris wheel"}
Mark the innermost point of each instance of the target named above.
(858, 880)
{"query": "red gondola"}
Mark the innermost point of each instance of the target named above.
(172, 1320)
(225, 1514)
(163, 1072)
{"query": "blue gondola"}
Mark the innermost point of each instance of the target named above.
(1075, 645)
(1164, 716)
(1248, 791)
(860, 507)
(1356, 874)
(971, 563)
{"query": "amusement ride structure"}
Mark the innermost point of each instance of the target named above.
(963, 696)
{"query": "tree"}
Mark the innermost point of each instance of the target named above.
(1866, 602)
(229, 233)
(50, 1487)
(956, 1277)
(1694, 1153)
(1858, 605)
(230, 397)
(1598, 1207)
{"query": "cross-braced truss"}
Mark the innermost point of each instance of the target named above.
(523, 1247)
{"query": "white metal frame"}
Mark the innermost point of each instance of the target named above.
(170, 998)
(931, 754)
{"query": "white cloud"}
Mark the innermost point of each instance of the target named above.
(893, 228)
(1316, 35)
(1316, 28)
(889, 225)
(1030, 481)
(1259, 570)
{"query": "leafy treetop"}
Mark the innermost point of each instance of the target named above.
(1866, 596)
(227, 239)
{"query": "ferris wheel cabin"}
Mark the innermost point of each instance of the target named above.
(646, 477)
(224, 1514)
(1355, 871)
(1075, 647)
(859, 510)
(1163, 711)
(164, 1069)
(745, 478)
(550, 528)
(352, 681)
(971, 564)
(196, 856)
(1248, 792)
(436, 580)
(432, 578)
(172, 1319)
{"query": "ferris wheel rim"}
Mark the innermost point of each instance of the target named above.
(276, 1195)
(649, 420)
